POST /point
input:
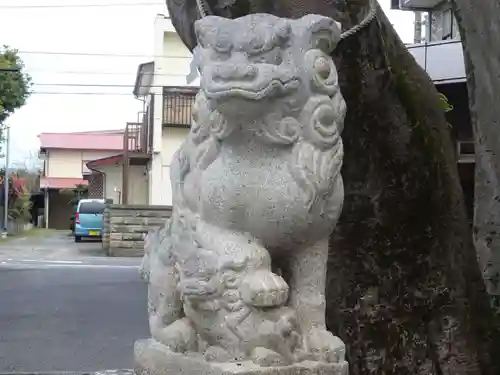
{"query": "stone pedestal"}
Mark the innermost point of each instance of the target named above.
(152, 358)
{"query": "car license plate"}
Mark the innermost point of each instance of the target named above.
(93, 233)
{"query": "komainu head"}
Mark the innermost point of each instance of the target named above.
(250, 63)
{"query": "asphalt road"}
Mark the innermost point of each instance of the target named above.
(69, 312)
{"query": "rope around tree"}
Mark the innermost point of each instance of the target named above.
(204, 10)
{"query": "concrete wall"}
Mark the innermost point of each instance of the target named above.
(126, 226)
(70, 163)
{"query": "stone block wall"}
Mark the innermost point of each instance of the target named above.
(126, 226)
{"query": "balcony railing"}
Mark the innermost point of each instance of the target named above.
(138, 136)
(416, 4)
(135, 137)
(177, 105)
(443, 61)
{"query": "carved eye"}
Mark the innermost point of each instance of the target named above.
(259, 59)
(271, 57)
(255, 45)
(220, 56)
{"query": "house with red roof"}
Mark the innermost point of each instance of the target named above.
(92, 159)
(130, 165)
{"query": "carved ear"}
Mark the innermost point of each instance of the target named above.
(324, 32)
(205, 28)
(283, 30)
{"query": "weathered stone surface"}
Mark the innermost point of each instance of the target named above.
(142, 213)
(139, 207)
(145, 221)
(152, 358)
(127, 236)
(118, 228)
(127, 244)
(238, 274)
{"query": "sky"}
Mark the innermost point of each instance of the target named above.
(83, 57)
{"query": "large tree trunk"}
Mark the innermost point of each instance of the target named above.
(479, 23)
(405, 292)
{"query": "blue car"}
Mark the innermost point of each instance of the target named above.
(89, 219)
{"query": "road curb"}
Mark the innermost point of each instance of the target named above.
(103, 372)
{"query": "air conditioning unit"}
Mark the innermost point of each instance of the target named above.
(465, 152)
(418, 5)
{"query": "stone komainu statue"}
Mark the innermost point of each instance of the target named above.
(238, 272)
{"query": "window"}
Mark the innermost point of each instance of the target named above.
(465, 151)
(443, 25)
(465, 147)
(177, 108)
(455, 31)
(94, 207)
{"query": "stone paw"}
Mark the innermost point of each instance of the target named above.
(323, 346)
(267, 358)
(264, 289)
(217, 354)
(179, 336)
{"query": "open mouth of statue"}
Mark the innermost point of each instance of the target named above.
(274, 87)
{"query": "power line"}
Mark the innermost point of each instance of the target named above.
(83, 93)
(51, 6)
(91, 85)
(100, 54)
(96, 72)
(38, 92)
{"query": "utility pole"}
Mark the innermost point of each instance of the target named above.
(6, 183)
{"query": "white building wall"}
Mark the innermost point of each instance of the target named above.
(172, 64)
(137, 184)
(71, 163)
(112, 182)
(172, 140)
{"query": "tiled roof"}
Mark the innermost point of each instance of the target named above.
(61, 183)
(100, 140)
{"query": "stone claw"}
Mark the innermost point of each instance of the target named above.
(323, 346)
(264, 289)
(267, 358)
(217, 354)
(179, 336)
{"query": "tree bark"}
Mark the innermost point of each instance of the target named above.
(479, 23)
(405, 292)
